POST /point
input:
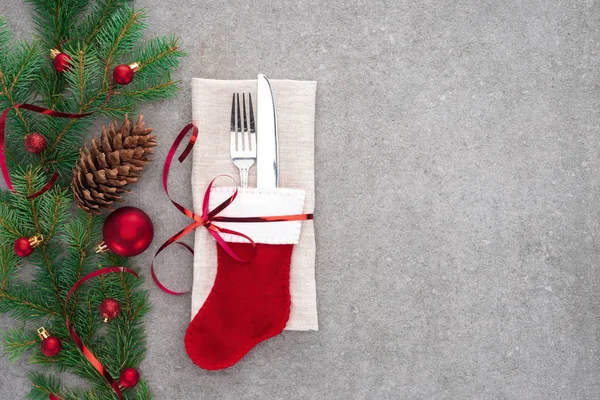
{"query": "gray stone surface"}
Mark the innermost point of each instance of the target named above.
(457, 157)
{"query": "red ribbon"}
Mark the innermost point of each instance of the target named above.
(84, 349)
(208, 218)
(39, 110)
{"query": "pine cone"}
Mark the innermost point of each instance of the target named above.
(103, 170)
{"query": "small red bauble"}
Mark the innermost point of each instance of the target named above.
(50, 345)
(109, 309)
(62, 61)
(35, 143)
(123, 74)
(129, 378)
(24, 246)
(53, 397)
(128, 231)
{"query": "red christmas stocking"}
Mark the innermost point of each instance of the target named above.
(249, 302)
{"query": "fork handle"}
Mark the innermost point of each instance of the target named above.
(243, 177)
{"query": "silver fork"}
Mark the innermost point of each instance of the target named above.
(242, 144)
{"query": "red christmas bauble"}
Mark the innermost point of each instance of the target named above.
(109, 309)
(123, 74)
(62, 62)
(52, 396)
(129, 377)
(35, 143)
(22, 247)
(51, 346)
(128, 231)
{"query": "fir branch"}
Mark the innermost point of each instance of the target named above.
(24, 181)
(9, 223)
(51, 274)
(29, 177)
(18, 73)
(127, 292)
(17, 342)
(83, 76)
(163, 90)
(100, 13)
(44, 384)
(54, 19)
(157, 56)
(49, 86)
(5, 196)
(119, 36)
(30, 181)
(25, 70)
(81, 82)
(91, 326)
(24, 303)
(69, 127)
(5, 35)
(53, 211)
(142, 391)
(80, 235)
(9, 263)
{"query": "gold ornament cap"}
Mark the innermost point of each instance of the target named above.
(43, 333)
(54, 53)
(36, 240)
(101, 247)
(134, 66)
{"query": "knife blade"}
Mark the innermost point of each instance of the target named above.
(267, 154)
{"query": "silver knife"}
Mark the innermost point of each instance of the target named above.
(267, 154)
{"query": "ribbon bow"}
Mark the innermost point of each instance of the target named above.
(208, 218)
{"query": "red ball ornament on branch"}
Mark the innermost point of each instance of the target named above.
(128, 231)
(50, 345)
(109, 309)
(129, 378)
(24, 246)
(35, 143)
(52, 396)
(123, 74)
(62, 61)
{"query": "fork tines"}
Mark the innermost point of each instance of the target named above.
(242, 144)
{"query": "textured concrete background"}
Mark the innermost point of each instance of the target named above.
(458, 174)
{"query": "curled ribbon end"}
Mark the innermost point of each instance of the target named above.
(153, 273)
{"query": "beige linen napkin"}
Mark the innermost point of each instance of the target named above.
(295, 104)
